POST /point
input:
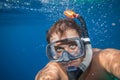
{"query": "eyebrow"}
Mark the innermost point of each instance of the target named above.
(65, 43)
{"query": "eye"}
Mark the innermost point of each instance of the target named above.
(59, 49)
(73, 46)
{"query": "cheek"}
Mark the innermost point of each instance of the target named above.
(77, 62)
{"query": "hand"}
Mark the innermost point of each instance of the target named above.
(52, 71)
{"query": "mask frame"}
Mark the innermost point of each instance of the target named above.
(50, 50)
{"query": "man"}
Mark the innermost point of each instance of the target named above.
(64, 39)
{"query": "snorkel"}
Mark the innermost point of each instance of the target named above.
(73, 72)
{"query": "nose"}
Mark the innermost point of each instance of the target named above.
(66, 48)
(66, 56)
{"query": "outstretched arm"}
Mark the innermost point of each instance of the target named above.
(110, 60)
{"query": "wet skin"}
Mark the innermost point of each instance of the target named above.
(104, 63)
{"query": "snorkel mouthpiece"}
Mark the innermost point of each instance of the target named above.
(74, 72)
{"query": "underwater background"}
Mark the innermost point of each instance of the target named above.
(24, 23)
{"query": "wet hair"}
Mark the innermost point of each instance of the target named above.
(61, 26)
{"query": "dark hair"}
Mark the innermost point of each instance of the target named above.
(61, 26)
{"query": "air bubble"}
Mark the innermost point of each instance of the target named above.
(113, 24)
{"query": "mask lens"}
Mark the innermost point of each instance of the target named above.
(73, 46)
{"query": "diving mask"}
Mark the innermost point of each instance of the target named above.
(65, 50)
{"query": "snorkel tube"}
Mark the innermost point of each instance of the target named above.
(73, 72)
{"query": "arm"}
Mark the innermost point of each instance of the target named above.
(110, 60)
(52, 71)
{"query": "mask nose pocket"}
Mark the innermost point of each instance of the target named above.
(65, 56)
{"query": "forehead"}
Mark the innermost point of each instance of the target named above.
(68, 34)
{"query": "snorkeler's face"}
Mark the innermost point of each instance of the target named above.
(67, 47)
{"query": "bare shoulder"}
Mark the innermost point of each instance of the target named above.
(109, 55)
(109, 59)
(105, 54)
(109, 52)
(96, 50)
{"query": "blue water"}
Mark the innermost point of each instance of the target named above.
(23, 26)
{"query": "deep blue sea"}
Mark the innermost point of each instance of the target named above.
(24, 23)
